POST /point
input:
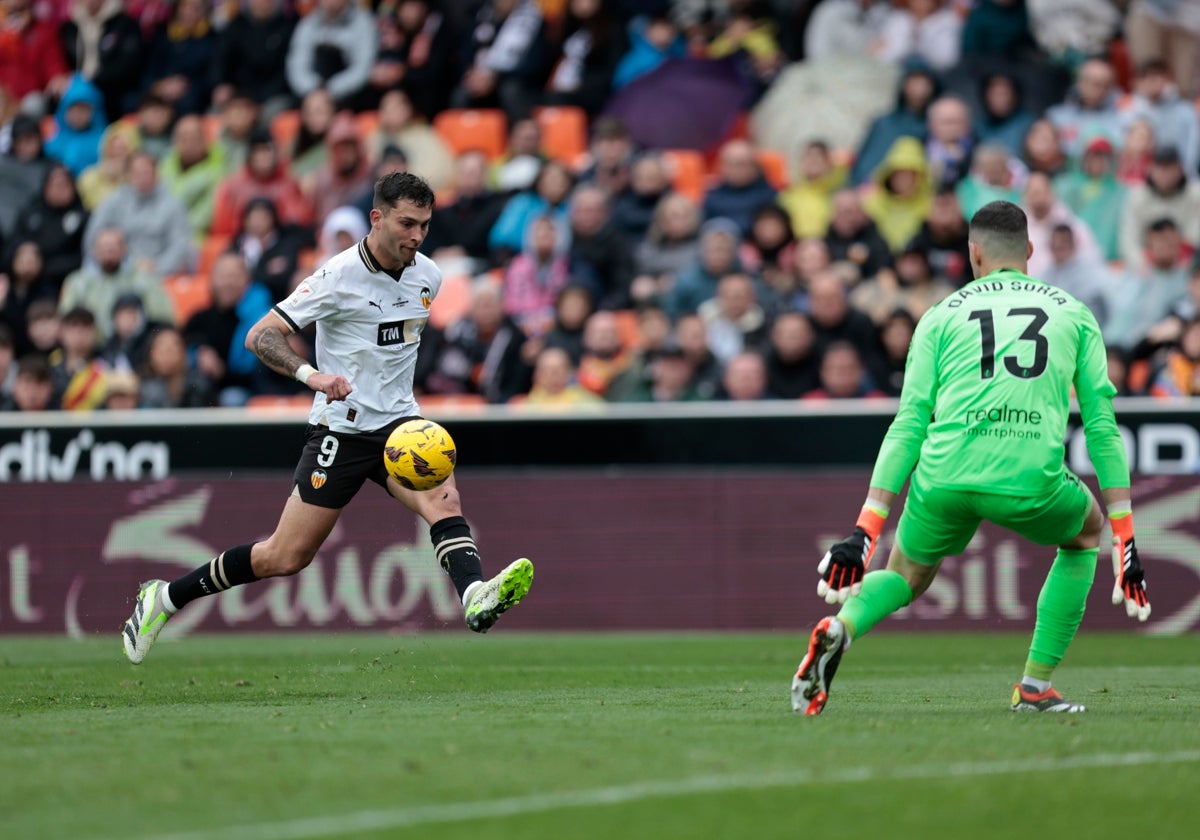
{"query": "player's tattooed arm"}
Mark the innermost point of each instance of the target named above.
(271, 345)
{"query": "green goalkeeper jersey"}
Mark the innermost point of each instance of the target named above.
(987, 391)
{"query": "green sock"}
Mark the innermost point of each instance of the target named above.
(1060, 609)
(882, 593)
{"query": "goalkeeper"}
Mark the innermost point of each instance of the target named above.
(981, 428)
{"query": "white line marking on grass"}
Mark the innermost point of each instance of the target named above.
(358, 821)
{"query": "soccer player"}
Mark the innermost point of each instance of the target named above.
(370, 304)
(983, 418)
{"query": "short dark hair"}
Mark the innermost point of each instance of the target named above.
(1001, 229)
(34, 366)
(402, 186)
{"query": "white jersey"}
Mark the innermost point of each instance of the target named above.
(369, 327)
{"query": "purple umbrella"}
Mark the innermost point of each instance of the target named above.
(684, 103)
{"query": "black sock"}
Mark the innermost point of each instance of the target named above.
(456, 551)
(228, 569)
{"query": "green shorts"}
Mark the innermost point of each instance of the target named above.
(939, 522)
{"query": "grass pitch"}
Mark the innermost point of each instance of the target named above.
(590, 736)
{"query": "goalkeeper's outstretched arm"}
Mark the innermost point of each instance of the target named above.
(843, 566)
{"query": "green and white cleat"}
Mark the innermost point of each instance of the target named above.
(497, 596)
(147, 621)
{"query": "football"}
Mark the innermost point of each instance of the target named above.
(419, 454)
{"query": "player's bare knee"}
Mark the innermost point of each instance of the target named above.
(273, 560)
(440, 503)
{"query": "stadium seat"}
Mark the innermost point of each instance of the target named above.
(212, 127)
(463, 129)
(366, 123)
(276, 402)
(453, 301)
(688, 173)
(564, 132)
(189, 293)
(774, 167)
(213, 247)
(284, 127)
(629, 327)
(428, 401)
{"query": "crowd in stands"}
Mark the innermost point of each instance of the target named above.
(169, 169)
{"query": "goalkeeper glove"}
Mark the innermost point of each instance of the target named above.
(1127, 569)
(844, 564)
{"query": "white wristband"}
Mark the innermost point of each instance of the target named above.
(304, 372)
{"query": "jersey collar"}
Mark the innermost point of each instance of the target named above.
(372, 264)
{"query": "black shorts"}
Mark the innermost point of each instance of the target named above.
(334, 465)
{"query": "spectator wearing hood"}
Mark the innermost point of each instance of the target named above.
(1094, 194)
(347, 171)
(902, 192)
(95, 183)
(917, 90)
(104, 45)
(1167, 194)
(652, 40)
(79, 124)
(22, 171)
(809, 199)
(1002, 117)
(154, 221)
(342, 229)
(56, 220)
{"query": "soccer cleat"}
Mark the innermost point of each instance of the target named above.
(498, 595)
(1026, 699)
(147, 621)
(810, 686)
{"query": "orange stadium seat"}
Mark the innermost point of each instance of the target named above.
(275, 402)
(453, 301)
(284, 127)
(774, 167)
(463, 129)
(564, 132)
(688, 173)
(366, 123)
(212, 127)
(428, 401)
(213, 247)
(189, 293)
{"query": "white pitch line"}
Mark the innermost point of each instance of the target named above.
(358, 821)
